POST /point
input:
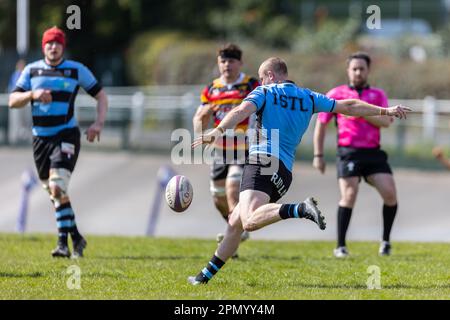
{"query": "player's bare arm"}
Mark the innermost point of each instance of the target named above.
(236, 116)
(201, 118)
(19, 100)
(102, 108)
(355, 107)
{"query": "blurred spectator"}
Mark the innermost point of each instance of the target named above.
(20, 65)
(438, 152)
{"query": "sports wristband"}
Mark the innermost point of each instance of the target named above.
(318, 156)
(383, 112)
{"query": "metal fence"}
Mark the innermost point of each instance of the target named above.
(144, 118)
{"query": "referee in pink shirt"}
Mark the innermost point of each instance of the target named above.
(358, 153)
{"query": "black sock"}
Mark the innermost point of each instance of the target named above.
(288, 211)
(75, 234)
(62, 237)
(388, 220)
(344, 215)
(210, 270)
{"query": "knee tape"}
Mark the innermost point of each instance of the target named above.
(60, 178)
(46, 186)
(235, 175)
(217, 191)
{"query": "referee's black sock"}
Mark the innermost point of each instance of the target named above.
(210, 270)
(288, 211)
(344, 215)
(389, 214)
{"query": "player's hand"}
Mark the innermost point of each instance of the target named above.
(398, 111)
(94, 132)
(42, 95)
(319, 164)
(438, 153)
(207, 138)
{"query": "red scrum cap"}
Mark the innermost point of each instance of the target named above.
(54, 34)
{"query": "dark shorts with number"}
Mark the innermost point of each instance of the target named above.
(358, 162)
(273, 181)
(56, 152)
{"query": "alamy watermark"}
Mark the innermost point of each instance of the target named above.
(374, 279)
(374, 20)
(74, 280)
(229, 149)
(73, 22)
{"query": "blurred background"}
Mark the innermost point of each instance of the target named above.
(154, 57)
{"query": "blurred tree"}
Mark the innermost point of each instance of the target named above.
(7, 24)
(272, 23)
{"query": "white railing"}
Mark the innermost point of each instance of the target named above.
(154, 112)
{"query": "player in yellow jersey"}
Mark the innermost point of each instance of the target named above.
(217, 100)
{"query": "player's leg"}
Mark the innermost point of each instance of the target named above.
(233, 184)
(257, 217)
(385, 185)
(219, 195)
(247, 203)
(226, 249)
(271, 182)
(43, 150)
(218, 188)
(348, 187)
(64, 158)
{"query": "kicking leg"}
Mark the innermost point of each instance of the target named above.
(257, 216)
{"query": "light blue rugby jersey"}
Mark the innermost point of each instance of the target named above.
(64, 82)
(289, 109)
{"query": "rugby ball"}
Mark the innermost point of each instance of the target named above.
(179, 193)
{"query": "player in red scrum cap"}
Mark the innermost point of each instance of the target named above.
(51, 85)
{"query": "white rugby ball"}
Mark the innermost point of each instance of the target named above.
(179, 193)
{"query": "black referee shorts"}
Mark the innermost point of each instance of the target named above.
(358, 162)
(56, 152)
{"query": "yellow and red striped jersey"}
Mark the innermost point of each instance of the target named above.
(224, 97)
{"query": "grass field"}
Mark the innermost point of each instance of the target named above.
(141, 268)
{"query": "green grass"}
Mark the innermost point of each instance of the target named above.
(141, 268)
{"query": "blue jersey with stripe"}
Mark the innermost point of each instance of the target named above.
(64, 82)
(284, 111)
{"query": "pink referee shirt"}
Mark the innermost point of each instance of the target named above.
(356, 132)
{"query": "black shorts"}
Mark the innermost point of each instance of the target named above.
(275, 184)
(56, 152)
(352, 162)
(219, 171)
(222, 162)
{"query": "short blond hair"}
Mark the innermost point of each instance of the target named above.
(276, 65)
